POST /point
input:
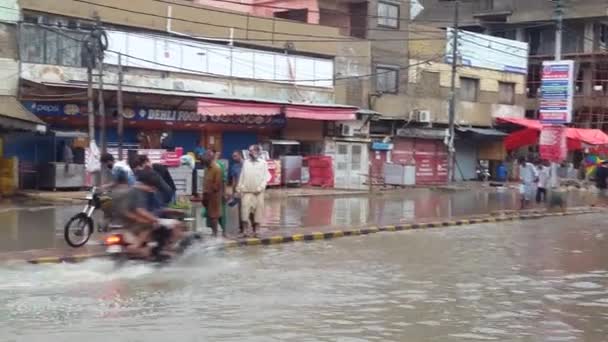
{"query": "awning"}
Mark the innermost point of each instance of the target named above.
(422, 133)
(577, 137)
(528, 123)
(14, 116)
(485, 132)
(320, 113)
(236, 108)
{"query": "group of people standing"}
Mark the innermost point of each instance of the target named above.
(244, 187)
(535, 181)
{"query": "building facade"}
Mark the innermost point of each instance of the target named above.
(196, 74)
(584, 41)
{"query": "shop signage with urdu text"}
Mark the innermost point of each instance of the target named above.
(145, 114)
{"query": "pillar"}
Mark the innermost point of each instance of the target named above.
(589, 37)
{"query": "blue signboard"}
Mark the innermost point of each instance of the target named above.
(152, 114)
(557, 89)
(381, 146)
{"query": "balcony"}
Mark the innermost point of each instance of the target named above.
(493, 9)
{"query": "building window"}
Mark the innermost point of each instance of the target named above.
(388, 15)
(506, 93)
(293, 14)
(44, 46)
(469, 89)
(387, 79)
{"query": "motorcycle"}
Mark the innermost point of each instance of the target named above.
(117, 243)
(79, 228)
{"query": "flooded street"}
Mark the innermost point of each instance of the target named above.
(40, 228)
(539, 280)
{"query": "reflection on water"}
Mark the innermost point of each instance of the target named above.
(43, 228)
(544, 280)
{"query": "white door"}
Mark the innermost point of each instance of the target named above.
(351, 165)
(341, 167)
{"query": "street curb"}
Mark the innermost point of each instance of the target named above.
(314, 236)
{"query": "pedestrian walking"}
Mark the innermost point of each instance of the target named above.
(251, 186)
(544, 175)
(212, 191)
(528, 177)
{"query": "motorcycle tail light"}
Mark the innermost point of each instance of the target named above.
(114, 240)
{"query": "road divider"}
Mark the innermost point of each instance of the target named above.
(314, 236)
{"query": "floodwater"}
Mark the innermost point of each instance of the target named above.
(40, 228)
(540, 280)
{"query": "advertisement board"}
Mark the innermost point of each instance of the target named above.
(483, 51)
(557, 89)
(553, 143)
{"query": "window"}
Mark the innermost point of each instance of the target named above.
(388, 15)
(387, 79)
(469, 89)
(506, 93)
(293, 14)
(43, 46)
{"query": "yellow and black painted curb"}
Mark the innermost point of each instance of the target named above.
(279, 239)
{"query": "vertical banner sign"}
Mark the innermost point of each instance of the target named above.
(557, 89)
(553, 143)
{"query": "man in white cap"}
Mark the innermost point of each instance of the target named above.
(251, 186)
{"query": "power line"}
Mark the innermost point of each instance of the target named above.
(242, 14)
(325, 39)
(436, 57)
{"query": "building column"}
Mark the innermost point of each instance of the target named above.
(587, 81)
(520, 34)
(589, 37)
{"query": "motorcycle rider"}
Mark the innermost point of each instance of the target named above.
(141, 222)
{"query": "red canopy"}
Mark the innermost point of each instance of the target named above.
(211, 107)
(320, 113)
(529, 136)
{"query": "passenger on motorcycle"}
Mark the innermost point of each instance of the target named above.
(118, 167)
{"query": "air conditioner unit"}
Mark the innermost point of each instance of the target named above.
(346, 131)
(424, 116)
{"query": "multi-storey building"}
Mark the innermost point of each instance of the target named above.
(585, 36)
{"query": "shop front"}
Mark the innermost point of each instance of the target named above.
(425, 149)
(162, 128)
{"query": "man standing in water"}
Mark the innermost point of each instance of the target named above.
(528, 176)
(251, 186)
(213, 185)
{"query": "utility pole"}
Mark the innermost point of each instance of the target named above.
(119, 105)
(559, 27)
(91, 106)
(559, 18)
(452, 105)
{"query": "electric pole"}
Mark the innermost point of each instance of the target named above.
(559, 27)
(97, 34)
(452, 104)
(119, 105)
(559, 18)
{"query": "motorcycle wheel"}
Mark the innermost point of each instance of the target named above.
(78, 230)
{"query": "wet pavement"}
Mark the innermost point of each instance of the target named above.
(539, 280)
(41, 228)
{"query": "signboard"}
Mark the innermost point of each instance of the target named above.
(483, 51)
(150, 114)
(553, 143)
(557, 89)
